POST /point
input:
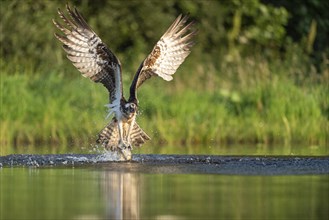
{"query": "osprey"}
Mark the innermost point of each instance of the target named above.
(96, 61)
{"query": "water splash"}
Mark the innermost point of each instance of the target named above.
(108, 156)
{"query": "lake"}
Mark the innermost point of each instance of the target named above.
(95, 193)
(107, 191)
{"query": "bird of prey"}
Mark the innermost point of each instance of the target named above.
(96, 61)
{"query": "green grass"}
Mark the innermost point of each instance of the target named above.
(248, 101)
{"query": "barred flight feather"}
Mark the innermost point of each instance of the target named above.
(88, 53)
(167, 55)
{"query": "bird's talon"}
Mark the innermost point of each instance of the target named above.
(125, 150)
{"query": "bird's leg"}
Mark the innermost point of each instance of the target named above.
(131, 126)
(121, 142)
(124, 148)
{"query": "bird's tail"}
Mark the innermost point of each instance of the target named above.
(138, 137)
(109, 136)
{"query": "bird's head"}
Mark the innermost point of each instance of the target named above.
(130, 109)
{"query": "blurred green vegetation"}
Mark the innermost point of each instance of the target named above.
(253, 77)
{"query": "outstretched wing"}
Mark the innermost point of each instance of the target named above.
(89, 54)
(167, 55)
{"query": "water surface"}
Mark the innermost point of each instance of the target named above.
(118, 191)
(298, 150)
(101, 192)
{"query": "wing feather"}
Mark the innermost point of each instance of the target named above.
(88, 53)
(167, 55)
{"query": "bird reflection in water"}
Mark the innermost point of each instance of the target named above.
(121, 193)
